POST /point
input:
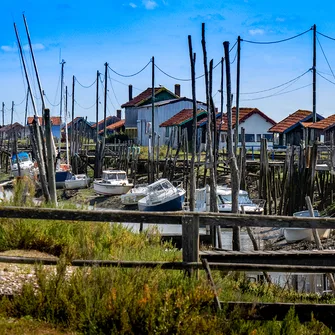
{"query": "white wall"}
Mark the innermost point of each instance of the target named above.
(254, 125)
(162, 113)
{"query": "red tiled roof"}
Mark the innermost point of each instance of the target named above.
(181, 117)
(323, 124)
(102, 121)
(55, 120)
(145, 95)
(244, 114)
(13, 127)
(74, 121)
(114, 126)
(306, 124)
(289, 121)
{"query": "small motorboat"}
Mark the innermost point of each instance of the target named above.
(224, 199)
(77, 181)
(304, 234)
(113, 182)
(134, 195)
(162, 197)
(22, 164)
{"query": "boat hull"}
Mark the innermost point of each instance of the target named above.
(60, 177)
(131, 199)
(23, 172)
(303, 234)
(174, 204)
(76, 184)
(109, 189)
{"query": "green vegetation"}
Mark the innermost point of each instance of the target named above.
(126, 301)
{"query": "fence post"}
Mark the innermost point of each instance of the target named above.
(190, 239)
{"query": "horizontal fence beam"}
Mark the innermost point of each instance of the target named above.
(225, 220)
(172, 265)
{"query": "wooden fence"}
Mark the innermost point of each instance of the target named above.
(308, 261)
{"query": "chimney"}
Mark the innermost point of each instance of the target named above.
(118, 113)
(130, 92)
(177, 89)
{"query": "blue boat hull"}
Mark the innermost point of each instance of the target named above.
(60, 177)
(175, 204)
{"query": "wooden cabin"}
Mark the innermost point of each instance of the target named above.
(291, 130)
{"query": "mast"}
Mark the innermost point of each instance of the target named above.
(237, 120)
(3, 114)
(66, 130)
(35, 66)
(97, 108)
(314, 73)
(25, 70)
(61, 103)
(105, 104)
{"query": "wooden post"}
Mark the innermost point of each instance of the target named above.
(190, 239)
(318, 241)
(232, 159)
(40, 160)
(210, 278)
(157, 156)
(50, 157)
(152, 162)
(194, 128)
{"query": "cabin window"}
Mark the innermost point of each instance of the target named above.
(148, 128)
(167, 131)
(250, 137)
(269, 137)
(259, 137)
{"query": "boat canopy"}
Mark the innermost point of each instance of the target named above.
(114, 175)
(22, 156)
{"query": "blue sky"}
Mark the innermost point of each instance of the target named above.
(126, 34)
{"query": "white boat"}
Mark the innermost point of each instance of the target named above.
(304, 234)
(134, 195)
(113, 182)
(24, 161)
(162, 197)
(224, 199)
(77, 181)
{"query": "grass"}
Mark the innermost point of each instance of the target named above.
(126, 301)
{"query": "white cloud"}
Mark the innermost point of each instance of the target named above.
(36, 46)
(149, 4)
(256, 32)
(14, 48)
(131, 4)
(8, 48)
(280, 19)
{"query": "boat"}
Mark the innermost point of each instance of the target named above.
(304, 234)
(63, 172)
(162, 196)
(24, 161)
(77, 181)
(113, 182)
(224, 199)
(134, 195)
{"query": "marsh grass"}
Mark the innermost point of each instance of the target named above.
(129, 301)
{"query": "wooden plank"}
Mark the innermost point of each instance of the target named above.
(172, 265)
(190, 239)
(208, 218)
(313, 259)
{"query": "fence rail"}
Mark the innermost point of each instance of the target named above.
(190, 222)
